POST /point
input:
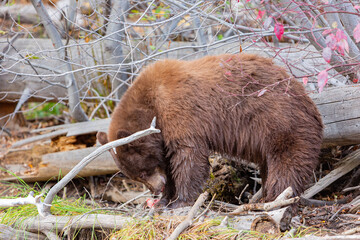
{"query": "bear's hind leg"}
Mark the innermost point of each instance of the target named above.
(290, 169)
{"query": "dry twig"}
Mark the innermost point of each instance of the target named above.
(189, 219)
(281, 201)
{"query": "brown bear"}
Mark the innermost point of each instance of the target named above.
(241, 106)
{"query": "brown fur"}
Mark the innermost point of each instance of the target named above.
(217, 104)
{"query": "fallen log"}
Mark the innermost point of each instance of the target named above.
(53, 165)
(7, 232)
(69, 130)
(60, 223)
(25, 13)
(266, 222)
(338, 106)
(340, 113)
(347, 164)
(269, 221)
(87, 60)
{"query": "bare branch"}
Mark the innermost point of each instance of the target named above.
(74, 100)
(45, 210)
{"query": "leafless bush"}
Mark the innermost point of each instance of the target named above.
(102, 45)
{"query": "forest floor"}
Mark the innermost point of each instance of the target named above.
(330, 215)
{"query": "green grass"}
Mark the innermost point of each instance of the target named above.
(139, 229)
(68, 206)
(41, 110)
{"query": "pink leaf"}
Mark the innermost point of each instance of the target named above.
(262, 92)
(322, 80)
(260, 14)
(343, 46)
(357, 7)
(279, 30)
(356, 33)
(330, 41)
(340, 35)
(327, 54)
(247, 0)
(305, 80)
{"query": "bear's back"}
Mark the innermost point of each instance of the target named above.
(215, 97)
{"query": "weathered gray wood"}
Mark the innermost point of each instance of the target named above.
(340, 113)
(282, 218)
(90, 125)
(7, 232)
(348, 163)
(39, 138)
(26, 13)
(59, 223)
(55, 165)
(72, 129)
(86, 56)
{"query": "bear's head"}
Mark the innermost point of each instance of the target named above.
(142, 160)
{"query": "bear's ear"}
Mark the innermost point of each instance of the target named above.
(122, 133)
(102, 138)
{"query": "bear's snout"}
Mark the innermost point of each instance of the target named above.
(156, 182)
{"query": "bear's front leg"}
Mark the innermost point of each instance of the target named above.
(190, 170)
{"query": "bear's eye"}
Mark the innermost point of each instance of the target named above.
(143, 175)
